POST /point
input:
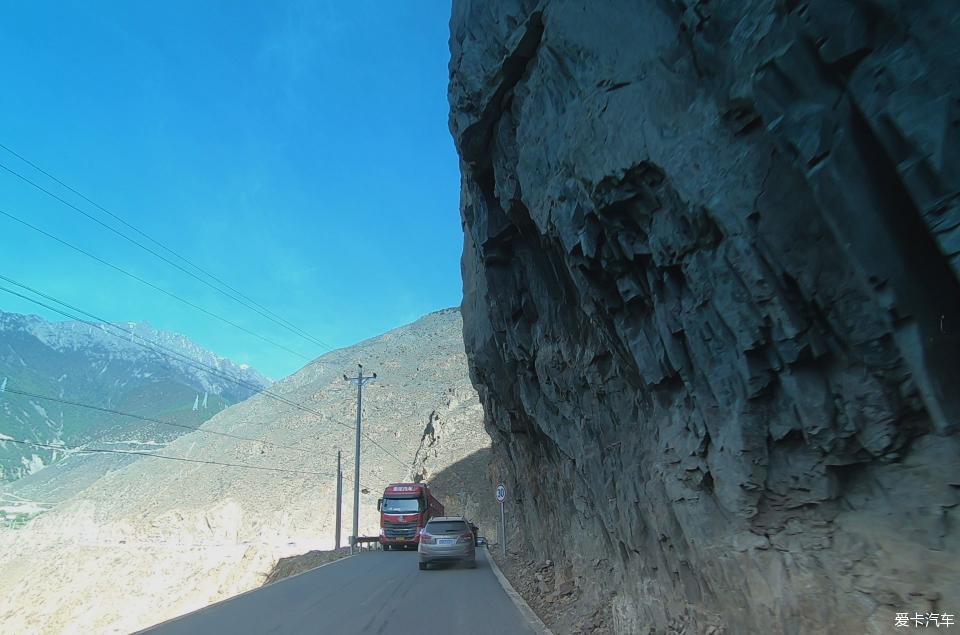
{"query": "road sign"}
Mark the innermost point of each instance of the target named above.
(501, 495)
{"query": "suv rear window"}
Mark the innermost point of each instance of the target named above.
(447, 527)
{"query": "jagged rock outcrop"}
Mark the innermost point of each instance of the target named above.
(711, 300)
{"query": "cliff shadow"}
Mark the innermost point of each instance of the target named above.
(465, 487)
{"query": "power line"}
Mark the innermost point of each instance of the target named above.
(4, 438)
(150, 284)
(75, 449)
(263, 311)
(152, 346)
(161, 245)
(143, 342)
(151, 420)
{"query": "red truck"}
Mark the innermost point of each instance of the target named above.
(404, 510)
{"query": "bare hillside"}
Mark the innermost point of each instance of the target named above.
(158, 538)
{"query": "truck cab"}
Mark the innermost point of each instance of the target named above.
(404, 510)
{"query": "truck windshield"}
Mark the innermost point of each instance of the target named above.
(401, 505)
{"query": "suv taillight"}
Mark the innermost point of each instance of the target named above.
(467, 537)
(427, 538)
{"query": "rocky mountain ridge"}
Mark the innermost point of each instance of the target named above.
(127, 343)
(129, 367)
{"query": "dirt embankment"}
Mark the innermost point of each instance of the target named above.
(295, 565)
(552, 594)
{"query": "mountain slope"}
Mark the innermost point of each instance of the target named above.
(157, 538)
(77, 362)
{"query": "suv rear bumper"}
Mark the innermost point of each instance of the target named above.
(449, 553)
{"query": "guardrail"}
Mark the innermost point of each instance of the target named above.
(372, 542)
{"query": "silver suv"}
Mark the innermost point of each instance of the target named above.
(447, 539)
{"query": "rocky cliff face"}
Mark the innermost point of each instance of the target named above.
(711, 300)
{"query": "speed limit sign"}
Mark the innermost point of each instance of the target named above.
(502, 494)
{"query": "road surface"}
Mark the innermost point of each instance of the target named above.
(373, 592)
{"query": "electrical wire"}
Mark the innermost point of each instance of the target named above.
(82, 450)
(242, 299)
(264, 311)
(151, 285)
(143, 342)
(196, 364)
(150, 419)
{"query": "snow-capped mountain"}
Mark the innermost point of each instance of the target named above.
(110, 368)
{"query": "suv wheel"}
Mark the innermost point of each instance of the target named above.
(423, 566)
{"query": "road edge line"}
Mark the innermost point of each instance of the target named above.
(297, 575)
(233, 597)
(528, 613)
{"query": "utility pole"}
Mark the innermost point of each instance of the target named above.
(360, 380)
(336, 540)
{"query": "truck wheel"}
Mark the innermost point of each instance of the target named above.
(423, 566)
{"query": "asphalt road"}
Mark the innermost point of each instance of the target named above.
(373, 592)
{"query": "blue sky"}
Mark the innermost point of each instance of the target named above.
(298, 150)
